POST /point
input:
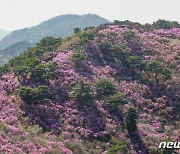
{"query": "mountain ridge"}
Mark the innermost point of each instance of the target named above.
(55, 31)
(59, 26)
(3, 33)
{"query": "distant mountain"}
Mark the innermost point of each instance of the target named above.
(3, 33)
(13, 50)
(61, 26)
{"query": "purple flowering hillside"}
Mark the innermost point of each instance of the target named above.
(106, 90)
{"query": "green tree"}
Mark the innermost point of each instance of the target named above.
(164, 24)
(87, 34)
(135, 62)
(105, 87)
(77, 30)
(160, 73)
(115, 100)
(27, 94)
(42, 92)
(128, 34)
(82, 92)
(118, 146)
(105, 47)
(131, 120)
(77, 58)
(30, 95)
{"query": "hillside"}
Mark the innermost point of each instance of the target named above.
(60, 26)
(3, 33)
(107, 90)
(12, 51)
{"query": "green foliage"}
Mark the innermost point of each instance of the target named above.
(156, 68)
(120, 52)
(4, 69)
(77, 30)
(78, 57)
(26, 94)
(49, 42)
(30, 95)
(76, 148)
(115, 100)
(42, 92)
(128, 34)
(105, 47)
(135, 62)
(163, 24)
(45, 45)
(118, 146)
(35, 71)
(105, 87)
(86, 37)
(87, 34)
(127, 22)
(159, 24)
(131, 120)
(81, 92)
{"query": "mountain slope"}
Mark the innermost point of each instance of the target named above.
(3, 33)
(111, 89)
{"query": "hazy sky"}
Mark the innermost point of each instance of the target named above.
(16, 14)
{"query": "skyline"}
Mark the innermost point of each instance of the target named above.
(23, 13)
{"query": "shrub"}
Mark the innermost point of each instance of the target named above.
(164, 24)
(35, 71)
(105, 47)
(30, 95)
(128, 34)
(118, 146)
(76, 148)
(42, 92)
(26, 94)
(135, 62)
(87, 35)
(77, 30)
(105, 87)
(78, 57)
(48, 43)
(115, 100)
(156, 68)
(131, 120)
(81, 92)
